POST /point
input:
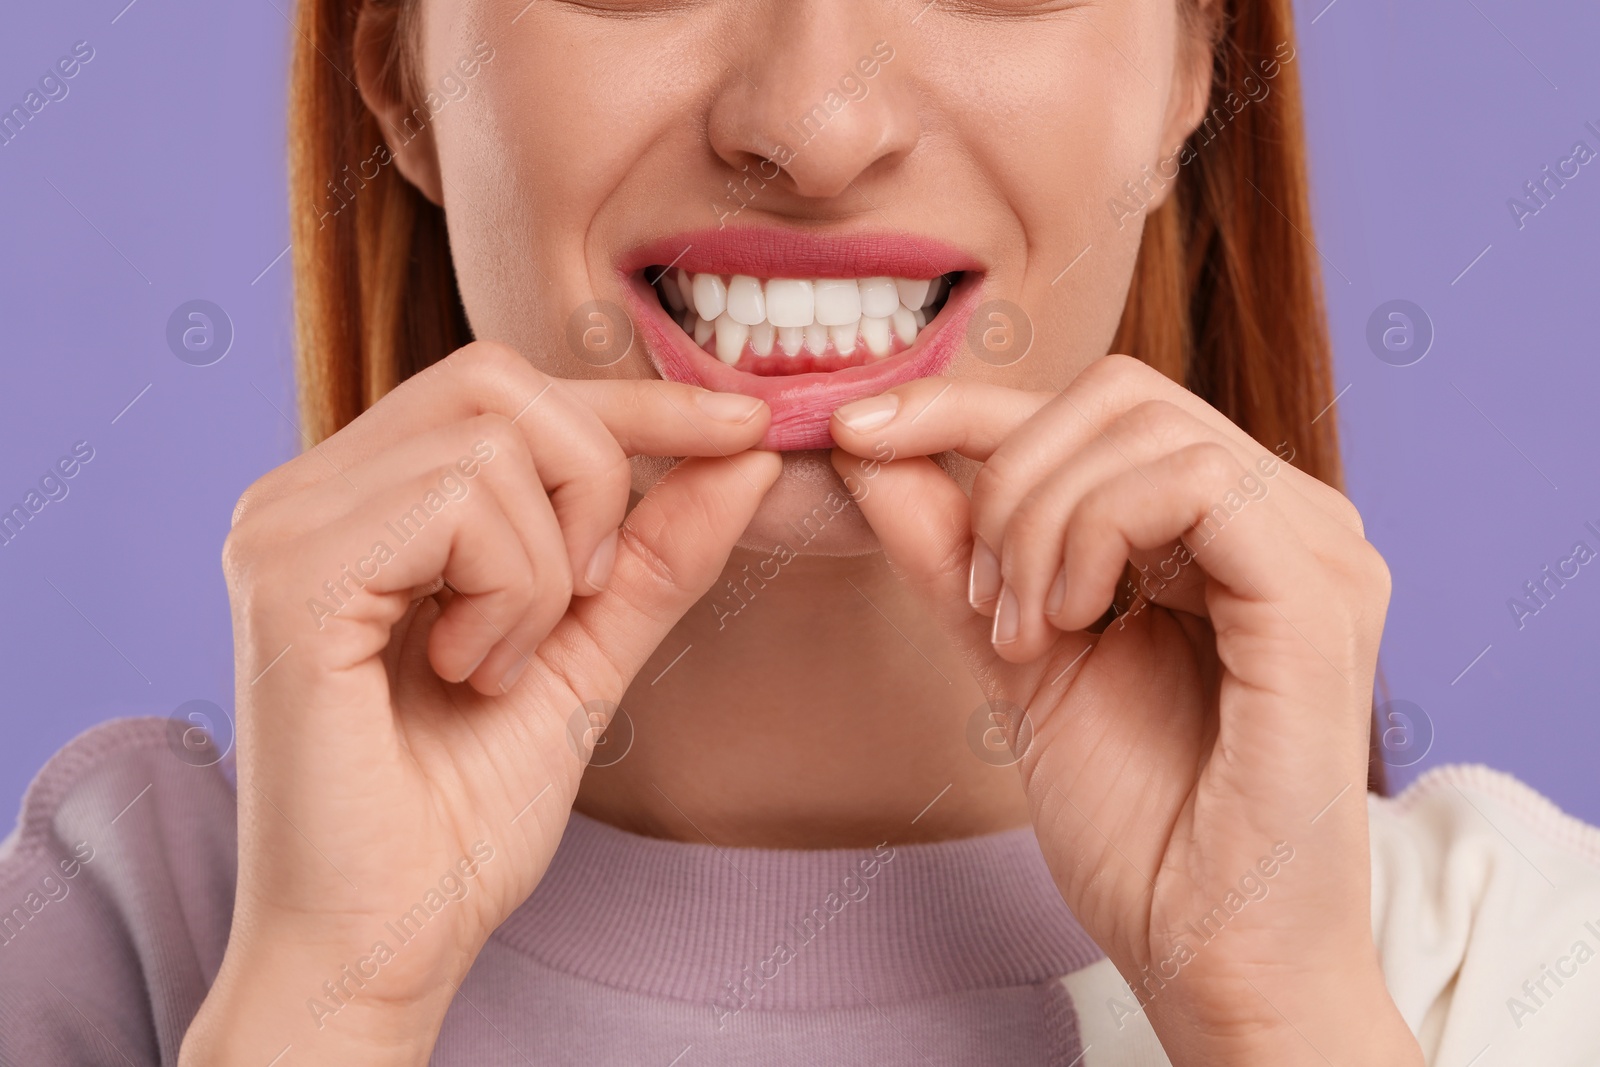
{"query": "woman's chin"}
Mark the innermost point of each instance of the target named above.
(809, 511)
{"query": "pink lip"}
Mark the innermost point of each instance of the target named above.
(801, 403)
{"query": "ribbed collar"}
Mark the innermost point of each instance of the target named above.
(730, 925)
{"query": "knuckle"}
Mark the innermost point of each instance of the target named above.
(1349, 514)
(1154, 419)
(1375, 571)
(522, 587)
(1209, 462)
(1099, 388)
(989, 485)
(250, 565)
(256, 495)
(247, 502)
(655, 564)
(614, 476)
(1032, 526)
(492, 355)
(1098, 510)
(249, 537)
(237, 555)
(443, 486)
(496, 429)
(1115, 369)
(1112, 366)
(954, 562)
(639, 407)
(488, 365)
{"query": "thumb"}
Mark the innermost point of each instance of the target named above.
(671, 549)
(923, 520)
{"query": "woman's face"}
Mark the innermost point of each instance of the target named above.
(582, 148)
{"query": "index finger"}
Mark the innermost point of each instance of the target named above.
(579, 433)
(931, 415)
(976, 419)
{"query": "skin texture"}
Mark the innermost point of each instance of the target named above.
(1225, 719)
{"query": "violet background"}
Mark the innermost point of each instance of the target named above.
(161, 179)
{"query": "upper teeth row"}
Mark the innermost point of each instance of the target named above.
(797, 302)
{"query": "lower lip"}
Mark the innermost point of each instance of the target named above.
(801, 404)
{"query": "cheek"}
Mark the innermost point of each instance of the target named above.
(1059, 138)
(1080, 109)
(529, 158)
(518, 260)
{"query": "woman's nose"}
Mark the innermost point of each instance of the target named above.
(818, 87)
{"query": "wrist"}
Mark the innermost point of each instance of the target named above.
(1336, 1014)
(1363, 1042)
(307, 1001)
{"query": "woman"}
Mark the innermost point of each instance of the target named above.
(719, 491)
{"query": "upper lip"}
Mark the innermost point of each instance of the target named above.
(765, 252)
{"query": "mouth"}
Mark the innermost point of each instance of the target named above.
(785, 326)
(805, 323)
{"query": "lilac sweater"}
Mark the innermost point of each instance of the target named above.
(117, 887)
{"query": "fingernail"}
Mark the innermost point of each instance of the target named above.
(1057, 594)
(728, 407)
(598, 572)
(869, 414)
(512, 675)
(983, 584)
(1006, 617)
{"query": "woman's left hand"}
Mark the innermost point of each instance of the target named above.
(1197, 771)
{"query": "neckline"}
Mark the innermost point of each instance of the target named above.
(798, 930)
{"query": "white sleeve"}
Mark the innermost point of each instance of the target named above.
(1112, 1029)
(1486, 913)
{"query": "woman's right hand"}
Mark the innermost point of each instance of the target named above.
(396, 803)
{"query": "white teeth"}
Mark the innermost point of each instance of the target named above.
(913, 293)
(746, 303)
(710, 296)
(762, 335)
(905, 325)
(798, 315)
(791, 302)
(879, 297)
(816, 338)
(838, 302)
(875, 334)
(669, 286)
(731, 337)
(843, 338)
